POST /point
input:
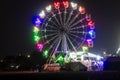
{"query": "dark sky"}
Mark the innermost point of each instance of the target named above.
(16, 24)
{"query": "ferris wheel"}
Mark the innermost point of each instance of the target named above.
(63, 26)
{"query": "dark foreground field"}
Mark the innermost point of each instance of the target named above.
(103, 75)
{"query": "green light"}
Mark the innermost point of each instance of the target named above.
(45, 53)
(36, 38)
(60, 59)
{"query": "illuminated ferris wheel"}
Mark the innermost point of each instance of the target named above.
(63, 26)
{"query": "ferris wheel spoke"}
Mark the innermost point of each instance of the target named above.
(48, 41)
(53, 46)
(73, 19)
(49, 35)
(51, 26)
(65, 16)
(54, 43)
(71, 43)
(74, 35)
(50, 19)
(76, 23)
(57, 45)
(82, 32)
(60, 17)
(54, 23)
(54, 15)
(49, 30)
(64, 43)
(77, 27)
(73, 40)
(69, 17)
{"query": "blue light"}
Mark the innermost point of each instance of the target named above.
(37, 21)
(92, 33)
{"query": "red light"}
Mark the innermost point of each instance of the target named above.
(65, 3)
(91, 23)
(57, 5)
(82, 10)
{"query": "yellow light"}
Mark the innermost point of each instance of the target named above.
(36, 29)
(28, 56)
(85, 48)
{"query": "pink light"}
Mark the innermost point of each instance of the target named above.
(65, 3)
(40, 46)
(57, 5)
(90, 42)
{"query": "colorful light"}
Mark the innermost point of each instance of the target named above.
(92, 33)
(84, 48)
(66, 4)
(45, 53)
(36, 38)
(60, 59)
(82, 10)
(42, 14)
(40, 46)
(37, 22)
(74, 5)
(91, 24)
(36, 29)
(57, 5)
(48, 8)
(90, 42)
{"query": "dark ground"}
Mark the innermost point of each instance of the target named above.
(101, 75)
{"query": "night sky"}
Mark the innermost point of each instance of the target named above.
(16, 24)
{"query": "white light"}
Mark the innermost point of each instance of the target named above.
(48, 8)
(98, 57)
(42, 14)
(74, 5)
(118, 50)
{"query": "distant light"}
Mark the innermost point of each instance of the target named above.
(42, 14)
(48, 8)
(1, 61)
(28, 56)
(17, 66)
(74, 5)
